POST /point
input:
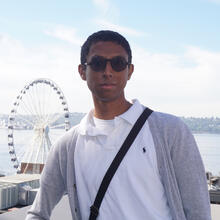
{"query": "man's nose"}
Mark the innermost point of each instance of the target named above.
(108, 69)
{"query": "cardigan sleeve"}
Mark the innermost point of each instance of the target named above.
(190, 174)
(52, 187)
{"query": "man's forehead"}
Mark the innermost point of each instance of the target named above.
(107, 49)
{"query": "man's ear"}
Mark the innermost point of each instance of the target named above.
(82, 71)
(130, 70)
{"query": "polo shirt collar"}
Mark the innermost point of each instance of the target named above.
(87, 126)
(132, 114)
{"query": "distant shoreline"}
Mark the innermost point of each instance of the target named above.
(196, 125)
(203, 125)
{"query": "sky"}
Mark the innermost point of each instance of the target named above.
(175, 46)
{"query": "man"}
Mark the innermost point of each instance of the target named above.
(160, 178)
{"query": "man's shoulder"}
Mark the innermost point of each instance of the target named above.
(169, 129)
(67, 139)
(164, 117)
(161, 117)
(166, 121)
(73, 131)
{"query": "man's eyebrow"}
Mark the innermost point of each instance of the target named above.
(107, 58)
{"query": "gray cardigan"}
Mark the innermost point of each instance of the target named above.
(179, 163)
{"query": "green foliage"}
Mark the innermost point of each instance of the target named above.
(203, 125)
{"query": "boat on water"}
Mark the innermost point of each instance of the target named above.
(214, 187)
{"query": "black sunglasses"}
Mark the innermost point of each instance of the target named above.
(98, 63)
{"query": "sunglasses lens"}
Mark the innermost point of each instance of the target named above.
(98, 63)
(118, 63)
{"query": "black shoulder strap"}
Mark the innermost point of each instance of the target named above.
(94, 209)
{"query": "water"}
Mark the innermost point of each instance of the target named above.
(209, 147)
(22, 138)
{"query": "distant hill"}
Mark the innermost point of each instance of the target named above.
(203, 125)
(75, 118)
(196, 125)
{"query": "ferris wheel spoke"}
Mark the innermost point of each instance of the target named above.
(48, 100)
(22, 118)
(20, 154)
(27, 109)
(29, 112)
(46, 97)
(44, 104)
(31, 153)
(46, 145)
(50, 110)
(37, 101)
(34, 98)
(34, 104)
(53, 118)
(31, 100)
(40, 147)
(21, 139)
(41, 100)
(48, 117)
(45, 92)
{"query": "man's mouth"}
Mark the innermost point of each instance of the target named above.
(107, 85)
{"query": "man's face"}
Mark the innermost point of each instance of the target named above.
(106, 85)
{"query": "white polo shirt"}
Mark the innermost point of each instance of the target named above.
(136, 191)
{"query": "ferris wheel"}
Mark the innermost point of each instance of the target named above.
(39, 116)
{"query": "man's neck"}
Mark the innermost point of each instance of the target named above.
(109, 110)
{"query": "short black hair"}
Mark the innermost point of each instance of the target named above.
(104, 35)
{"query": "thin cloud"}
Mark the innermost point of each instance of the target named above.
(106, 10)
(64, 33)
(109, 15)
(102, 5)
(20, 65)
(182, 85)
(215, 1)
(121, 29)
(179, 84)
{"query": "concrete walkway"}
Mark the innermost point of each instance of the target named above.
(62, 211)
(215, 209)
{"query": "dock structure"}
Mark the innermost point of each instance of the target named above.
(19, 189)
(22, 179)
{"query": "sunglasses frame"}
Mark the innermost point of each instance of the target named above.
(104, 63)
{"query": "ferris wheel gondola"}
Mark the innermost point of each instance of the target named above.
(39, 115)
